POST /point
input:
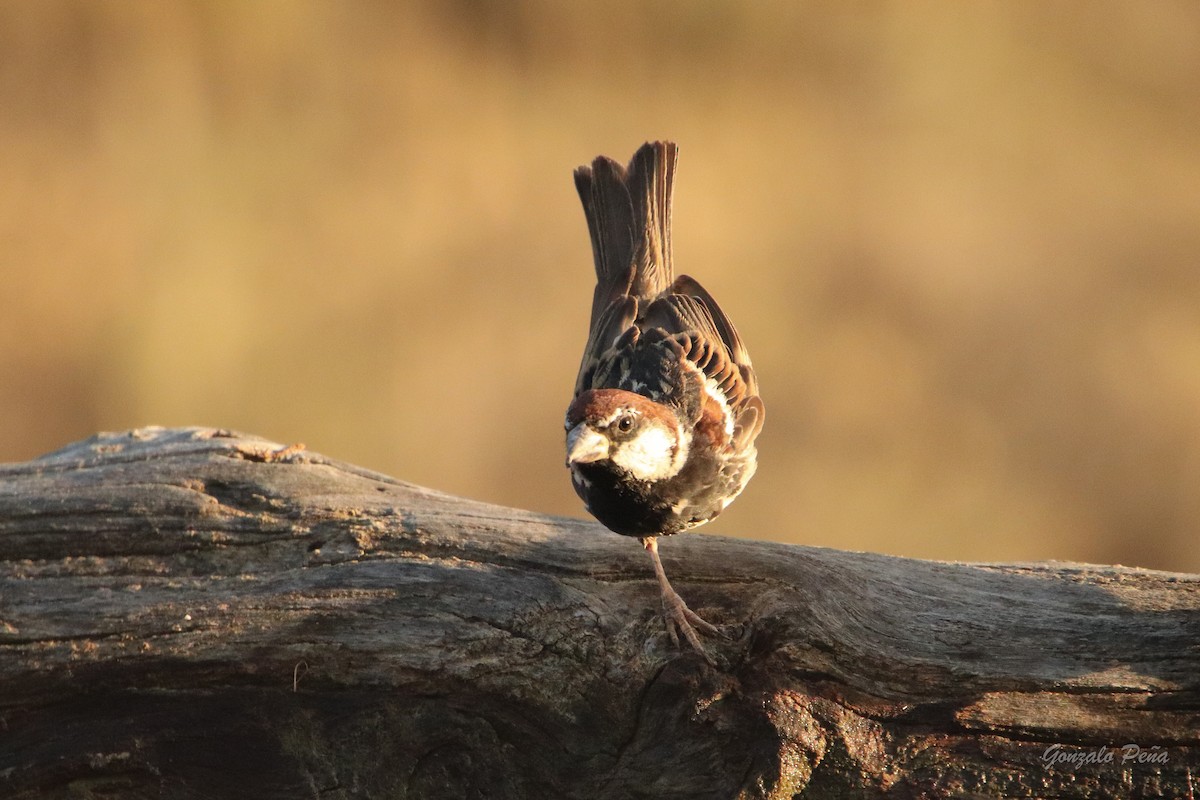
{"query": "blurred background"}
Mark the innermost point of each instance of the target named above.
(961, 240)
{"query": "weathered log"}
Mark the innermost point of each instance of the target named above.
(197, 613)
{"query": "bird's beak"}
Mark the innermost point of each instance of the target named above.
(585, 445)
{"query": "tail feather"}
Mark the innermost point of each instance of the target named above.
(629, 218)
(651, 183)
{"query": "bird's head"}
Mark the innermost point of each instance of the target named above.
(626, 431)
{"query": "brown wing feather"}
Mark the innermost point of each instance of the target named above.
(690, 287)
(614, 321)
(716, 350)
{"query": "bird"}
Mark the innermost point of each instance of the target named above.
(661, 429)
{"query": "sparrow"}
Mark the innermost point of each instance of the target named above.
(661, 428)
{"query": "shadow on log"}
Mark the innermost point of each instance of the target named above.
(197, 613)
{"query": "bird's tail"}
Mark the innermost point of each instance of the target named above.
(629, 218)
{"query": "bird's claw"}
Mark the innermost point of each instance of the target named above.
(676, 614)
(681, 619)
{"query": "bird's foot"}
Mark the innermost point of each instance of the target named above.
(678, 617)
(681, 619)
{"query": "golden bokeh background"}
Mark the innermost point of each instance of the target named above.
(962, 241)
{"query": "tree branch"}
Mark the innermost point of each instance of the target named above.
(197, 613)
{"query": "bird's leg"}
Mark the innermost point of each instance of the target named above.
(677, 614)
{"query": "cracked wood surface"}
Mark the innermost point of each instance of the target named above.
(198, 613)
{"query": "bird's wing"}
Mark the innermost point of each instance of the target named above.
(712, 345)
(613, 321)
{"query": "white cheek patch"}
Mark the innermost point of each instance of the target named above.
(655, 453)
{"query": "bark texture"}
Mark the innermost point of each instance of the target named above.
(198, 613)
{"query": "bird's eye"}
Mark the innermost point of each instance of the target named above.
(625, 423)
